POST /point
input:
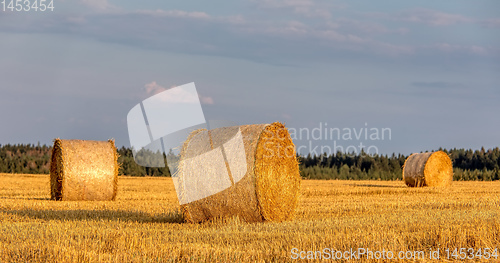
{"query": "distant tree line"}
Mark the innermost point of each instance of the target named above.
(25, 158)
(482, 165)
(131, 168)
(35, 159)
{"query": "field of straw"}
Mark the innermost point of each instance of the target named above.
(144, 223)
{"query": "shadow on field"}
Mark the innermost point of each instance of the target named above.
(25, 198)
(97, 215)
(377, 185)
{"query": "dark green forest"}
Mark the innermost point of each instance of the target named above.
(481, 165)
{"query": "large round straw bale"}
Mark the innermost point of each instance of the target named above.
(428, 169)
(268, 188)
(83, 170)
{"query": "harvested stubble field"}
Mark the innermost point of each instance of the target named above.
(145, 225)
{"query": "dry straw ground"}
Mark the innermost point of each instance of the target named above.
(144, 223)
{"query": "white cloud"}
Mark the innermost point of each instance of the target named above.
(425, 16)
(307, 8)
(99, 5)
(366, 27)
(207, 100)
(479, 50)
(491, 23)
(436, 18)
(172, 96)
(286, 116)
(176, 95)
(262, 38)
(174, 13)
(464, 49)
(153, 88)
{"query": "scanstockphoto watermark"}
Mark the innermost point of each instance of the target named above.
(350, 140)
(359, 253)
(323, 138)
(485, 253)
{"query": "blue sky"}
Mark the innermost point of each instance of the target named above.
(428, 70)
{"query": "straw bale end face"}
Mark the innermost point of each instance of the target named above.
(277, 174)
(428, 169)
(83, 170)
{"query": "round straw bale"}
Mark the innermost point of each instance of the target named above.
(83, 170)
(428, 169)
(267, 189)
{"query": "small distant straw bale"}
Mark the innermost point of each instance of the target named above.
(428, 169)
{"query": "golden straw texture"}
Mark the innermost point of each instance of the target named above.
(428, 169)
(268, 188)
(84, 170)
